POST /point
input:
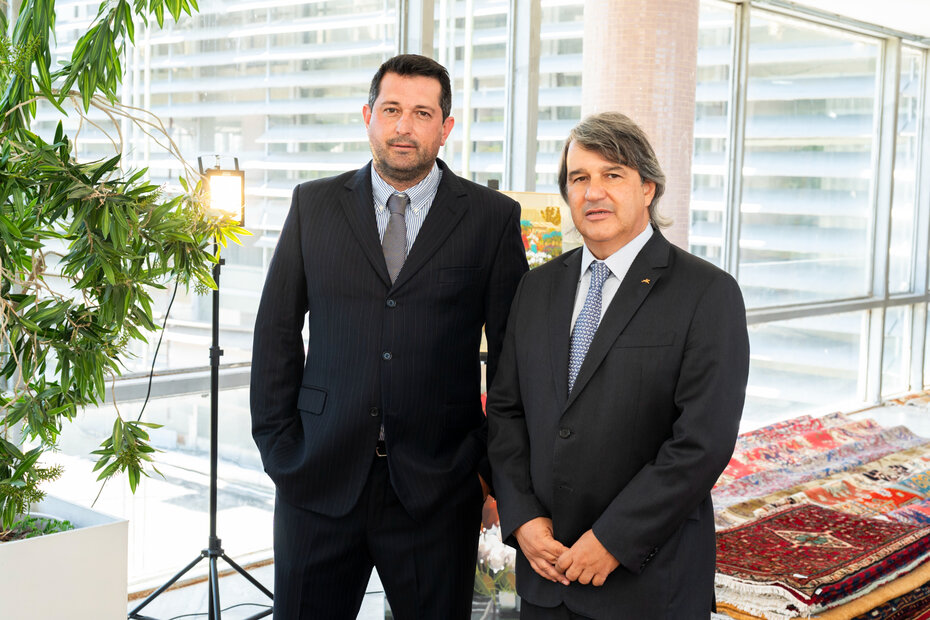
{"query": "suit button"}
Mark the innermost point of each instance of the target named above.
(565, 433)
(390, 303)
(373, 412)
(386, 355)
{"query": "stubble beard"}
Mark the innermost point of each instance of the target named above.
(411, 174)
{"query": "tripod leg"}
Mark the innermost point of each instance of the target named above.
(214, 604)
(251, 579)
(168, 584)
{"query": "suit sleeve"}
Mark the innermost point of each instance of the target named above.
(509, 443)
(278, 352)
(508, 267)
(709, 396)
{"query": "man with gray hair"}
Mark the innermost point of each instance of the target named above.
(617, 400)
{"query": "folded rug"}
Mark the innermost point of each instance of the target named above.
(816, 465)
(804, 559)
(791, 449)
(916, 514)
(905, 470)
(915, 605)
(800, 424)
(900, 593)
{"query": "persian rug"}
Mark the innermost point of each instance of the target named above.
(918, 482)
(916, 514)
(815, 466)
(914, 605)
(920, 399)
(804, 559)
(905, 469)
(859, 607)
(790, 450)
(800, 424)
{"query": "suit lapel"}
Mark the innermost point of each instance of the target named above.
(358, 205)
(644, 273)
(447, 209)
(561, 303)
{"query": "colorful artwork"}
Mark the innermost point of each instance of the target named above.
(542, 234)
(546, 226)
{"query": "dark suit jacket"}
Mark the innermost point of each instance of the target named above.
(406, 354)
(634, 450)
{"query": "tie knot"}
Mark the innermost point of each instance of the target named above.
(397, 203)
(599, 274)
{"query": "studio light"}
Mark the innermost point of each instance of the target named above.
(225, 190)
(225, 198)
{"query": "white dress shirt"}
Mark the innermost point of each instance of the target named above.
(619, 263)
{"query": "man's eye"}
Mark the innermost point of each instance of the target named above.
(576, 179)
(423, 114)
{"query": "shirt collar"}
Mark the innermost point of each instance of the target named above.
(381, 190)
(619, 262)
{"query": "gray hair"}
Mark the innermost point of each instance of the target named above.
(618, 139)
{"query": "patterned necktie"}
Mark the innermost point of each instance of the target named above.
(587, 321)
(394, 243)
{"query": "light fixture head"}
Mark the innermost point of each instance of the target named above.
(225, 191)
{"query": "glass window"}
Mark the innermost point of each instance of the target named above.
(709, 170)
(895, 355)
(904, 198)
(927, 352)
(805, 216)
(560, 68)
(806, 364)
(478, 83)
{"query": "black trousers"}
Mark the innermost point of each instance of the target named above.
(528, 611)
(322, 564)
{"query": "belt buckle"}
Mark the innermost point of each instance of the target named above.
(380, 449)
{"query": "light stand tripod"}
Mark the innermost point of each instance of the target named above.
(214, 551)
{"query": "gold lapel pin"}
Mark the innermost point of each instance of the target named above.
(646, 280)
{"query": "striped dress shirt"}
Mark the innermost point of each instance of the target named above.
(421, 197)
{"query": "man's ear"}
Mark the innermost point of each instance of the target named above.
(446, 129)
(649, 191)
(366, 114)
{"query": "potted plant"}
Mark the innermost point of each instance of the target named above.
(83, 246)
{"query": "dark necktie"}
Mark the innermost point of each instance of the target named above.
(394, 243)
(587, 321)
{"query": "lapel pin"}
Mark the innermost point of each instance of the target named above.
(646, 280)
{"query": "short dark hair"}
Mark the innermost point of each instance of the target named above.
(414, 64)
(618, 139)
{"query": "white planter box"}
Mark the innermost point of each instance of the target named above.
(78, 575)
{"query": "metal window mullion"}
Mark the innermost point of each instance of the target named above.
(883, 169)
(922, 224)
(467, 88)
(875, 348)
(415, 27)
(521, 113)
(737, 135)
(921, 271)
(833, 20)
(786, 313)
(918, 340)
(883, 164)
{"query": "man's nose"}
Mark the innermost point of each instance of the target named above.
(404, 124)
(594, 192)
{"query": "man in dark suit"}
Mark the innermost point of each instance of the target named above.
(617, 400)
(375, 437)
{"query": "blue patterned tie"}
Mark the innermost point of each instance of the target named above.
(587, 321)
